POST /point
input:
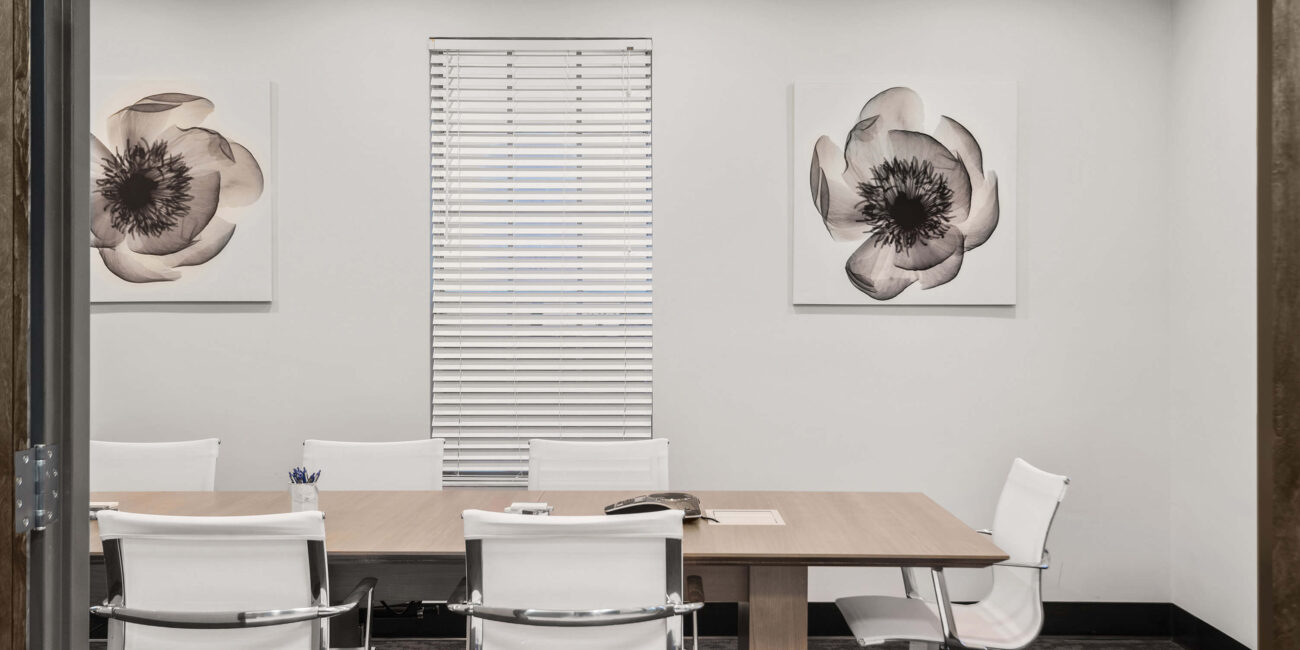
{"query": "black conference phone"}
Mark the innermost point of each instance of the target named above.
(687, 503)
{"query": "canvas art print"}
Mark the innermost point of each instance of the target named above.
(905, 194)
(180, 194)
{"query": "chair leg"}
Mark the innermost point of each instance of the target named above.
(695, 631)
(370, 608)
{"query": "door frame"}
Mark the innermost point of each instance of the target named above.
(1278, 286)
(15, 132)
(59, 324)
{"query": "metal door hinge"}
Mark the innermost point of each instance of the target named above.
(36, 488)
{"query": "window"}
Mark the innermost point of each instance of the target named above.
(541, 299)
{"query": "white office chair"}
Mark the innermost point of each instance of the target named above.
(389, 466)
(213, 583)
(574, 583)
(187, 466)
(1011, 615)
(623, 465)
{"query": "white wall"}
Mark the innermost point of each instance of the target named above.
(1211, 242)
(753, 392)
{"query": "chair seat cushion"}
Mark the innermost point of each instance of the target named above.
(878, 619)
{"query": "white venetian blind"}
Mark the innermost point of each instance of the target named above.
(541, 247)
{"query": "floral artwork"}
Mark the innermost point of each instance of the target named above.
(158, 188)
(917, 201)
(176, 200)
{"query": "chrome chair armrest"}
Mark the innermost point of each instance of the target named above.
(685, 608)
(363, 589)
(572, 617)
(233, 620)
(1041, 566)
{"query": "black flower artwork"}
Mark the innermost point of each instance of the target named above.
(156, 193)
(921, 201)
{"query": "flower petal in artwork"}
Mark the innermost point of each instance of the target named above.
(921, 201)
(873, 271)
(158, 185)
(834, 199)
(898, 109)
(146, 119)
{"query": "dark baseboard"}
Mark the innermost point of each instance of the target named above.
(1195, 634)
(1108, 619)
(1125, 620)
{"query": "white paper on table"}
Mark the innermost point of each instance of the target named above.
(745, 517)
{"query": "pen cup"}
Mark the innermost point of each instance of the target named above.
(304, 497)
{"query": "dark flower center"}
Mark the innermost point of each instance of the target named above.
(905, 202)
(147, 189)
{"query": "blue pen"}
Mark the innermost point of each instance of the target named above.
(300, 475)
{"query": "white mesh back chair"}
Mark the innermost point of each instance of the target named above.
(574, 583)
(203, 583)
(622, 465)
(406, 465)
(188, 466)
(1011, 615)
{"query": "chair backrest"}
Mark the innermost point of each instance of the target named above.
(574, 563)
(406, 465)
(187, 466)
(621, 465)
(1021, 523)
(208, 564)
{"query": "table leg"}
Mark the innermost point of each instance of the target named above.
(776, 616)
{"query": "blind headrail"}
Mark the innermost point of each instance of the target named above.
(477, 46)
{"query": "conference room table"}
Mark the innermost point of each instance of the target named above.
(413, 541)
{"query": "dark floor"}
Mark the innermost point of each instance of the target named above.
(1058, 643)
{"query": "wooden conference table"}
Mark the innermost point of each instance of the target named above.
(412, 541)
